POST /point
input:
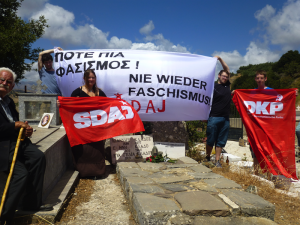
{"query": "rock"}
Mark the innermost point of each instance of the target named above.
(188, 160)
(176, 187)
(222, 183)
(251, 189)
(203, 220)
(201, 169)
(200, 185)
(250, 204)
(201, 203)
(153, 210)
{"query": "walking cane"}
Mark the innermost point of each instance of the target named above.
(11, 170)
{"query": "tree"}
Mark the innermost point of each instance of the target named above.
(16, 38)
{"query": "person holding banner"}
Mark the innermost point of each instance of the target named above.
(218, 121)
(89, 158)
(255, 128)
(46, 71)
(260, 78)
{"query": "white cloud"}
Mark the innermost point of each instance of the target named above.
(255, 55)
(62, 28)
(31, 76)
(147, 29)
(283, 27)
(29, 6)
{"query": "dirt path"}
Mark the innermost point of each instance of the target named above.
(106, 205)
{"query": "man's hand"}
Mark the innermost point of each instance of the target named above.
(28, 130)
(232, 92)
(296, 92)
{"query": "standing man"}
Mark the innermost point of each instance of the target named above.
(218, 121)
(46, 71)
(28, 175)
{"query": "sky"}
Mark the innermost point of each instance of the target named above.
(240, 32)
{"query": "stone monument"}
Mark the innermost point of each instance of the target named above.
(33, 105)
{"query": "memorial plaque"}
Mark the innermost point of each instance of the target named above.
(130, 148)
(35, 109)
(173, 150)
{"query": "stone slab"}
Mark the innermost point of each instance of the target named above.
(127, 165)
(188, 160)
(172, 179)
(138, 180)
(131, 172)
(202, 186)
(251, 204)
(205, 175)
(177, 171)
(177, 165)
(127, 148)
(176, 187)
(204, 220)
(35, 98)
(151, 209)
(201, 169)
(222, 183)
(152, 167)
(201, 203)
(146, 188)
(41, 133)
(131, 188)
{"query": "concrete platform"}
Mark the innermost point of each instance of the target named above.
(184, 194)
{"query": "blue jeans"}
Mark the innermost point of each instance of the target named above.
(217, 131)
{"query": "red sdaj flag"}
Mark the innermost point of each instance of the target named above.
(269, 117)
(91, 119)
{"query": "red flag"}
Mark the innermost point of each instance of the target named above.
(269, 117)
(94, 119)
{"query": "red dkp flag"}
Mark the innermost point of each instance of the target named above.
(94, 119)
(269, 118)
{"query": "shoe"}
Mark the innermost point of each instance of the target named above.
(218, 164)
(46, 207)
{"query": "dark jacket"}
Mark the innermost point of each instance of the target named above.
(8, 134)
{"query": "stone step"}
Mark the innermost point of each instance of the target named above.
(188, 193)
(58, 196)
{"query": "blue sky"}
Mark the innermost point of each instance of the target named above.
(241, 32)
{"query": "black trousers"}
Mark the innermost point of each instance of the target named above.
(27, 178)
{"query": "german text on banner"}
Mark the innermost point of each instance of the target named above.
(88, 120)
(161, 86)
(269, 118)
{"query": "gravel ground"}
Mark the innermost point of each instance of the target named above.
(107, 204)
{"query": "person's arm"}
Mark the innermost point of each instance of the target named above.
(224, 65)
(40, 63)
(297, 92)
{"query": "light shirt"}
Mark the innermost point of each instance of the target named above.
(4, 103)
(48, 78)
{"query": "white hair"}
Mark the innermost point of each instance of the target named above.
(9, 70)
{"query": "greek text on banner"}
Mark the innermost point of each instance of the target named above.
(161, 86)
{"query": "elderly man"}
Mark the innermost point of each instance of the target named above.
(28, 175)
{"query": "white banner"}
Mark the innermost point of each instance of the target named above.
(161, 86)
